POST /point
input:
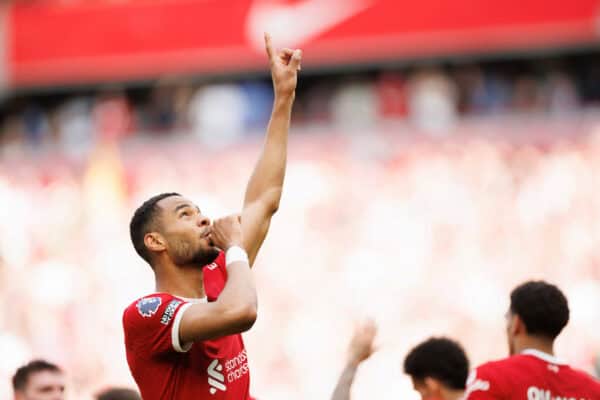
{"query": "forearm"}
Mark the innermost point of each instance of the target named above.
(238, 299)
(342, 389)
(267, 179)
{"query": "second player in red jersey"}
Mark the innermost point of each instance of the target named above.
(184, 341)
(538, 313)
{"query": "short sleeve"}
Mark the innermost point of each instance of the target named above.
(151, 324)
(481, 386)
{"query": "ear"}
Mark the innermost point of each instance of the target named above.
(434, 387)
(155, 242)
(517, 326)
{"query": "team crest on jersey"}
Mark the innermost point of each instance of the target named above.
(147, 307)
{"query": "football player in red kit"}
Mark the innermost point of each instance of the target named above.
(538, 313)
(183, 341)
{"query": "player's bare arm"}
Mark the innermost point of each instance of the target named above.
(361, 348)
(263, 192)
(235, 309)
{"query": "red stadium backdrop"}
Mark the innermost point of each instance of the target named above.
(68, 42)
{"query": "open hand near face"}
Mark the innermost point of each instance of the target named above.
(361, 345)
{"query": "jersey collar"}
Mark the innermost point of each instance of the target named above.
(549, 358)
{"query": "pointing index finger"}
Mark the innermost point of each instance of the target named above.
(269, 46)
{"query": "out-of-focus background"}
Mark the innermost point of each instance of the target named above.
(441, 153)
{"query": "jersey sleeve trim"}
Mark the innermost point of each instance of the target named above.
(177, 346)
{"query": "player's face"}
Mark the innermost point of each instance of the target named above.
(44, 385)
(186, 231)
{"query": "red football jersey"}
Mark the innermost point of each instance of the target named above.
(164, 368)
(531, 375)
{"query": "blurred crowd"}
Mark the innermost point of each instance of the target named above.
(376, 224)
(430, 98)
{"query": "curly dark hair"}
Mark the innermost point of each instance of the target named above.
(118, 394)
(19, 380)
(145, 220)
(439, 358)
(542, 307)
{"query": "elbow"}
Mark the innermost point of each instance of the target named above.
(242, 317)
(246, 317)
(249, 317)
(272, 200)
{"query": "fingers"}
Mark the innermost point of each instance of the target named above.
(296, 60)
(288, 56)
(269, 47)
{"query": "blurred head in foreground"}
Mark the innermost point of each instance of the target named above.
(118, 394)
(538, 313)
(438, 368)
(39, 380)
(170, 229)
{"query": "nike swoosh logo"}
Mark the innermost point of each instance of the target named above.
(293, 24)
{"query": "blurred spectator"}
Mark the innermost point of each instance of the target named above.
(73, 125)
(217, 114)
(432, 101)
(118, 394)
(527, 97)
(560, 93)
(112, 117)
(39, 380)
(391, 91)
(354, 106)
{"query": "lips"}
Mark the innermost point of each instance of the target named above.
(206, 233)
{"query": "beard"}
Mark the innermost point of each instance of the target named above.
(205, 256)
(186, 254)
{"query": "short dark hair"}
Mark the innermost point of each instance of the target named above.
(439, 358)
(542, 307)
(143, 221)
(19, 380)
(118, 394)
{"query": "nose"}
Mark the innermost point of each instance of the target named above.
(203, 220)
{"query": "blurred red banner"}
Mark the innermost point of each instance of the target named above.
(66, 42)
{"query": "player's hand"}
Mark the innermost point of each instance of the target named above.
(361, 345)
(285, 65)
(227, 232)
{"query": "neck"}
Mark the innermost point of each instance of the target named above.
(452, 394)
(535, 343)
(186, 281)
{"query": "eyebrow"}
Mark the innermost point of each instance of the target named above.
(185, 205)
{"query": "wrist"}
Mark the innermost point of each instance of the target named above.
(284, 98)
(232, 244)
(236, 254)
(353, 362)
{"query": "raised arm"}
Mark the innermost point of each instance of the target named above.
(235, 309)
(361, 348)
(265, 185)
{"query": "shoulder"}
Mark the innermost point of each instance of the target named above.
(491, 378)
(586, 380)
(146, 307)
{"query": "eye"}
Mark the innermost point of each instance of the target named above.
(184, 214)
